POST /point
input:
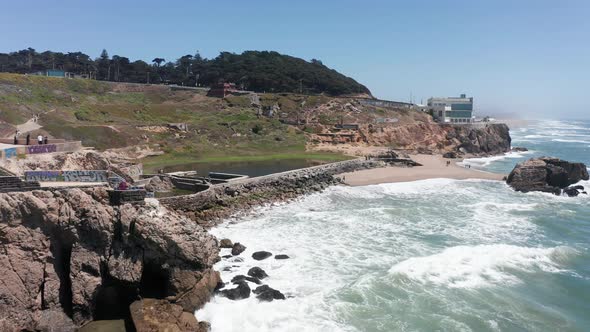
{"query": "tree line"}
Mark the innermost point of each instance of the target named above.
(252, 70)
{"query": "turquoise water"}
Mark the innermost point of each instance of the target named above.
(433, 255)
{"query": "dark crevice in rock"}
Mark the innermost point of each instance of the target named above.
(118, 227)
(112, 299)
(63, 252)
(154, 281)
(42, 288)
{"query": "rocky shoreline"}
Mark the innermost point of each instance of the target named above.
(71, 260)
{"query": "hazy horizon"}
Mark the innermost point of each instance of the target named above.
(527, 58)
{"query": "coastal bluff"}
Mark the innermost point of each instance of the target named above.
(548, 174)
(427, 136)
(69, 258)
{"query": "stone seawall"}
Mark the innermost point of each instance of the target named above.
(210, 206)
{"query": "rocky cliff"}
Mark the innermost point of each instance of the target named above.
(548, 175)
(430, 137)
(67, 258)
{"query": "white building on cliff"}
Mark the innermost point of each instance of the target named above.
(456, 110)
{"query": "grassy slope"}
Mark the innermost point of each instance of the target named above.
(103, 116)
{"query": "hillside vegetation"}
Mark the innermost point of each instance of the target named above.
(109, 115)
(251, 70)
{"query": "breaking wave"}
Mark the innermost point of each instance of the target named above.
(481, 265)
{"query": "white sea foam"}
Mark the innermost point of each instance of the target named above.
(480, 266)
(569, 140)
(420, 187)
(344, 241)
(486, 161)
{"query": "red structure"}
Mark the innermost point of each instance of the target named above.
(221, 90)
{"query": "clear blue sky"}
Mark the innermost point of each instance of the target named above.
(529, 56)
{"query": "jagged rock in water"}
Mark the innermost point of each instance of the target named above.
(265, 293)
(69, 257)
(260, 255)
(225, 243)
(519, 149)
(238, 293)
(574, 191)
(257, 272)
(239, 278)
(151, 315)
(282, 256)
(546, 174)
(237, 249)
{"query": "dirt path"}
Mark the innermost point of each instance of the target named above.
(28, 126)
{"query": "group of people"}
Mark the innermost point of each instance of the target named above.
(40, 138)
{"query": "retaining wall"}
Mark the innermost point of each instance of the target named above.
(39, 149)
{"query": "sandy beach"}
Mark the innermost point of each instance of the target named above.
(433, 166)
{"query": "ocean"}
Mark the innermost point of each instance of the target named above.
(432, 255)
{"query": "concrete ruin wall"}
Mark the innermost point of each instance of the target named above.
(39, 149)
(67, 176)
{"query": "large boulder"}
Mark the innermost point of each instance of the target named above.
(260, 255)
(225, 243)
(265, 293)
(546, 174)
(238, 293)
(237, 248)
(151, 315)
(257, 272)
(69, 257)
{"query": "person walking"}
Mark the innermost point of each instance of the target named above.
(45, 140)
(28, 139)
(40, 139)
(15, 140)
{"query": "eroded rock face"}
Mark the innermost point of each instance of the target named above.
(430, 137)
(491, 139)
(67, 257)
(546, 174)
